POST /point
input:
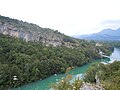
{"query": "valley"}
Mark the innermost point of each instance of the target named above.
(34, 57)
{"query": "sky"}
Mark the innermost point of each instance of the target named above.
(71, 17)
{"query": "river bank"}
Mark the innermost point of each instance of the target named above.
(76, 72)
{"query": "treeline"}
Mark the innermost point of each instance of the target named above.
(31, 61)
(113, 43)
(110, 43)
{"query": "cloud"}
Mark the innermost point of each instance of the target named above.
(68, 16)
(113, 24)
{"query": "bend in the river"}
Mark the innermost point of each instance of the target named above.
(76, 72)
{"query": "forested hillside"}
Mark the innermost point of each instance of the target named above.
(31, 61)
(29, 53)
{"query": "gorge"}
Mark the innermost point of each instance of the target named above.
(30, 54)
(76, 72)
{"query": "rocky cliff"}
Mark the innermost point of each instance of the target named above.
(32, 32)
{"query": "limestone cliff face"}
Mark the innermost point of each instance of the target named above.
(32, 32)
(7, 29)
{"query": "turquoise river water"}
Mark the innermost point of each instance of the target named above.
(76, 72)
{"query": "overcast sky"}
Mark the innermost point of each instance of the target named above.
(70, 17)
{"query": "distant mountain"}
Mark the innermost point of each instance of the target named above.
(106, 34)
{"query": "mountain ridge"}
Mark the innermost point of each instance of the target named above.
(104, 35)
(32, 32)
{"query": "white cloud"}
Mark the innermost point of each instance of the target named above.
(68, 16)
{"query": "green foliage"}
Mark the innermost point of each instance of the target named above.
(109, 75)
(31, 61)
(65, 84)
(95, 69)
(68, 39)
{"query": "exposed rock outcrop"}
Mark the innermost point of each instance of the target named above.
(32, 32)
(88, 86)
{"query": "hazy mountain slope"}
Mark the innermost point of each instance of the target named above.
(106, 34)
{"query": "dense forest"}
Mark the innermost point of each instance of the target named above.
(31, 61)
(108, 75)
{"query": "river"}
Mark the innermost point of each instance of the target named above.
(76, 72)
(115, 55)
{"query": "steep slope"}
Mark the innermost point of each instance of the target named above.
(106, 34)
(32, 32)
